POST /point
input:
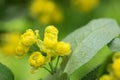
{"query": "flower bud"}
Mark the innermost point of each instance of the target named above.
(116, 67)
(106, 77)
(21, 50)
(63, 48)
(50, 40)
(51, 29)
(37, 60)
(28, 38)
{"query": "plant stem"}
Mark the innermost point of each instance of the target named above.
(48, 70)
(51, 67)
(57, 63)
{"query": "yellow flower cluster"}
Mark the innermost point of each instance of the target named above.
(46, 11)
(50, 44)
(50, 36)
(114, 73)
(86, 5)
(49, 48)
(25, 42)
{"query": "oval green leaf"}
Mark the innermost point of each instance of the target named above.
(88, 40)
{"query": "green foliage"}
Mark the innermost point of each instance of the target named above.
(89, 50)
(115, 45)
(87, 41)
(5, 73)
(87, 70)
(91, 75)
(91, 45)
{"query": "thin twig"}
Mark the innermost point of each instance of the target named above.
(48, 70)
(57, 63)
(51, 67)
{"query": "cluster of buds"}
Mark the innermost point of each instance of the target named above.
(50, 44)
(25, 42)
(46, 11)
(113, 69)
(86, 5)
(49, 47)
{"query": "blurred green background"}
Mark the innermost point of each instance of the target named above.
(18, 15)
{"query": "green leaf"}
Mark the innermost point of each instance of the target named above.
(91, 75)
(115, 45)
(103, 70)
(5, 73)
(87, 41)
(96, 61)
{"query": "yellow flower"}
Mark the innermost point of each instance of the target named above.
(25, 42)
(28, 38)
(49, 47)
(8, 49)
(57, 16)
(45, 19)
(13, 38)
(50, 37)
(63, 48)
(37, 6)
(116, 67)
(46, 11)
(37, 60)
(86, 5)
(21, 50)
(50, 40)
(106, 77)
(9, 43)
(52, 52)
(49, 7)
(51, 29)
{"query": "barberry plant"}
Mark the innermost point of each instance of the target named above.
(82, 53)
(49, 48)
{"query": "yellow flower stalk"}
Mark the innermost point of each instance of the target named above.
(36, 60)
(63, 48)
